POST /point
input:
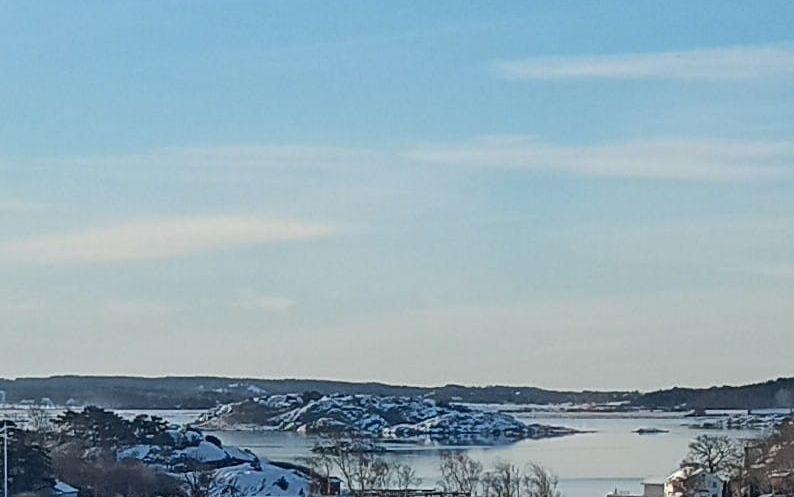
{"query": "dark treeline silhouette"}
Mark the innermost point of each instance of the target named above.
(773, 393)
(205, 392)
(120, 392)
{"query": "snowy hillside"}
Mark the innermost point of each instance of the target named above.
(381, 417)
(231, 467)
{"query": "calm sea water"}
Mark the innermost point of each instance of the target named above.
(590, 464)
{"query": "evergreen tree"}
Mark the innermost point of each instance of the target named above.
(152, 430)
(29, 465)
(96, 426)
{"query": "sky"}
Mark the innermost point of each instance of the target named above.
(560, 194)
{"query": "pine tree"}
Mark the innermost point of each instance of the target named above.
(96, 426)
(29, 465)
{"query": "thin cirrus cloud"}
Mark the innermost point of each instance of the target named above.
(16, 206)
(230, 157)
(728, 63)
(681, 159)
(160, 239)
(264, 303)
(132, 308)
(665, 159)
(210, 164)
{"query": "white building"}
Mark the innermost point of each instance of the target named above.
(693, 481)
(653, 487)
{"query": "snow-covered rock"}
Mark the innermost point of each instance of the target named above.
(185, 437)
(270, 480)
(761, 421)
(204, 454)
(143, 453)
(463, 423)
(232, 467)
(379, 417)
(248, 413)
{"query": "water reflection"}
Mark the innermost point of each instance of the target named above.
(590, 464)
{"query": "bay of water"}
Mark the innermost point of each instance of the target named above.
(608, 456)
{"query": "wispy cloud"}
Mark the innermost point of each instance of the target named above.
(21, 306)
(780, 271)
(236, 163)
(265, 303)
(16, 206)
(655, 158)
(160, 239)
(131, 308)
(230, 157)
(728, 63)
(690, 160)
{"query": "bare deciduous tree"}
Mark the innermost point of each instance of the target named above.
(367, 471)
(460, 473)
(362, 470)
(540, 482)
(717, 454)
(502, 481)
(405, 477)
(99, 474)
(199, 483)
(322, 465)
(40, 421)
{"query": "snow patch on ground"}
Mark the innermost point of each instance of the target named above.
(269, 481)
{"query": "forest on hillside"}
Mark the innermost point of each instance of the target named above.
(206, 392)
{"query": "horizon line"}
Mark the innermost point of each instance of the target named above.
(387, 384)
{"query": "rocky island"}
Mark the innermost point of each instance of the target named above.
(376, 417)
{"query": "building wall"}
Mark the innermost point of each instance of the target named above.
(653, 490)
(699, 485)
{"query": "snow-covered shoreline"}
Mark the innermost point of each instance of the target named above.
(377, 417)
(231, 466)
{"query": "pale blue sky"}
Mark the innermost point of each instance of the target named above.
(568, 195)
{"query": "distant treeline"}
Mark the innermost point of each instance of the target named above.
(773, 393)
(205, 392)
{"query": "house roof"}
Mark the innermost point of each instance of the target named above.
(688, 472)
(685, 473)
(64, 488)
